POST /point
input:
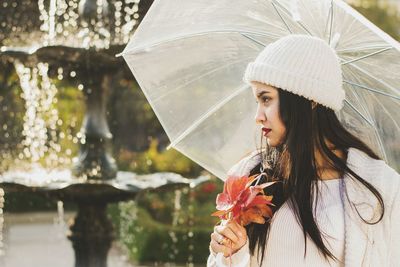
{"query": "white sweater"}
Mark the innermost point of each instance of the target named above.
(286, 234)
(364, 245)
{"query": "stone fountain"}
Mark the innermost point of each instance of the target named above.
(75, 39)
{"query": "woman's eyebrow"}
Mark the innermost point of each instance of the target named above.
(262, 92)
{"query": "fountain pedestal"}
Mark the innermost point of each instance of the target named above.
(91, 235)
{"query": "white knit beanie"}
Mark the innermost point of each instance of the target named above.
(301, 64)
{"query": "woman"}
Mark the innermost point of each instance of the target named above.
(337, 203)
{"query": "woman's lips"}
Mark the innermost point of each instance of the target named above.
(265, 131)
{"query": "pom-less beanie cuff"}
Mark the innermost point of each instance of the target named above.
(304, 86)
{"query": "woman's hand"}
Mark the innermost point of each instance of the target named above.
(228, 238)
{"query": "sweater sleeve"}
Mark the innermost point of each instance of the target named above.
(245, 165)
(395, 227)
(240, 259)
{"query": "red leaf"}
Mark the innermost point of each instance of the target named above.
(234, 186)
(223, 202)
(242, 202)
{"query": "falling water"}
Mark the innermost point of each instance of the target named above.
(39, 127)
(2, 252)
(128, 214)
(59, 221)
(175, 222)
(191, 224)
(123, 27)
(61, 18)
(177, 207)
(41, 118)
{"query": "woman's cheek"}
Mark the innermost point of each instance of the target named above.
(269, 113)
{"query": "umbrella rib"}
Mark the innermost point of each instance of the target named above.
(380, 144)
(358, 112)
(304, 28)
(252, 39)
(310, 14)
(201, 76)
(331, 22)
(213, 109)
(298, 22)
(142, 48)
(279, 14)
(373, 77)
(368, 55)
(377, 135)
(371, 89)
(357, 96)
(380, 141)
(373, 126)
(357, 49)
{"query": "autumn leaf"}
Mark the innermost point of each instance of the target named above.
(243, 202)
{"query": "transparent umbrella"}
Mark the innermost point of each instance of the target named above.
(189, 57)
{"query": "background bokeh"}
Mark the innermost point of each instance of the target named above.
(159, 226)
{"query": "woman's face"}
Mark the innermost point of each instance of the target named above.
(267, 114)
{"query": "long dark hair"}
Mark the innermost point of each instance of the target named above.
(307, 130)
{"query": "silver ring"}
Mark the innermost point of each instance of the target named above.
(221, 240)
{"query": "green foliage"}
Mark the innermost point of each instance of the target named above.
(71, 109)
(139, 140)
(152, 160)
(11, 120)
(383, 14)
(161, 205)
(130, 116)
(150, 241)
(175, 223)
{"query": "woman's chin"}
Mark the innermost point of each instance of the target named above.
(272, 142)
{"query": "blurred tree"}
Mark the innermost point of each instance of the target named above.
(384, 14)
(139, 141)
(131, 119)
(11, 121)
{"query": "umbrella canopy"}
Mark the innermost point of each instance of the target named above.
(189, 57)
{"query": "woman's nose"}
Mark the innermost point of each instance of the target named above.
(260, 115)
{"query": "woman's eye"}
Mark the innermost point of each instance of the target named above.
(265, 99)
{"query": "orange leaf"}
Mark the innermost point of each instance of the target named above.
(219, 213)
(252, 215)
(265, 210)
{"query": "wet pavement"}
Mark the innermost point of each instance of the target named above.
(39, 239)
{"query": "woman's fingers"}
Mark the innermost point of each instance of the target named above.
(218, 248)
(228, 238)
(227, 231)
(239, 230)
(217, 237)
